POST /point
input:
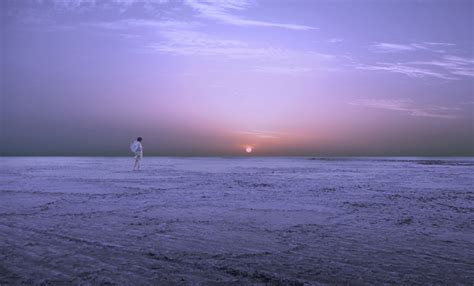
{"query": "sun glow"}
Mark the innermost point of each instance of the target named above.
(248, 149)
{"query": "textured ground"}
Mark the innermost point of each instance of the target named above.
(237, 221)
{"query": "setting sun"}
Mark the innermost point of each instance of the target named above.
(248, 149)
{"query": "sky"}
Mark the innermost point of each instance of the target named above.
(211, 78)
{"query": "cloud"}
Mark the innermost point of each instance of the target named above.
(190, 42)
(409, 108)
(186, 39)
(218, 49)
(143, 23)
(220, 11)
(90, 4)
(406, 70)
(193, 42)
(411, 47)
(453, 65)
(439, 44)
(459, 60)
(441, 65)
(182, 38)
(396, 48)
(179, 37)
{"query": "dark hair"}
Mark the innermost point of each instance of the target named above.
(139, 139)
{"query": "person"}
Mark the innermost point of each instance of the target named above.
(137, 149)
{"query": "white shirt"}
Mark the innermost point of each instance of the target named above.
(139, 147)
(136, 146)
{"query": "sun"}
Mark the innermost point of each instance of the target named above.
(248, 149)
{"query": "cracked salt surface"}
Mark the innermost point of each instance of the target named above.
(286, 221)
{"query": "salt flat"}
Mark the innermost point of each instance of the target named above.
(211, 221)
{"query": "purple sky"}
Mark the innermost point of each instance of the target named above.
(195, 77)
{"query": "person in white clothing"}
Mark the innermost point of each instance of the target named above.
(137, 149)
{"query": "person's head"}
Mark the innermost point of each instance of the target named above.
(139, 139)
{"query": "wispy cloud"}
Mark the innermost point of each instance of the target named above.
(183, 38)
(221, 11)
(408, 107)
(439, 44)
(188, 39)
(190, 42)
(407, 70)
(459, 60)
(396, 48)
(454, 65)
(143, 23)
(92, 4)
(447, 67)
(410, 47)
